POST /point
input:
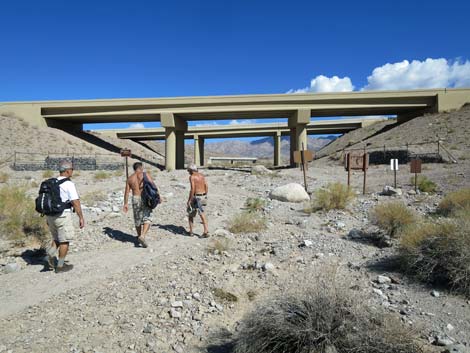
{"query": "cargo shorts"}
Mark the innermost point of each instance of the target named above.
(61, 227)
(142, 214)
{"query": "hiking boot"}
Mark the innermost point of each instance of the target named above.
(49, 263)
(64, 268)
(142, 242)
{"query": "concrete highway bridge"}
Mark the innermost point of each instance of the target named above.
(174, 113)
(275, 130)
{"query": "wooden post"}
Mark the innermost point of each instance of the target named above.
(395, 178)
(349, 168)
(364, 164)
(416, 182)
(302, 157)
(438, 147)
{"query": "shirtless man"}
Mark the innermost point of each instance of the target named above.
(142, 214)
(197, 199)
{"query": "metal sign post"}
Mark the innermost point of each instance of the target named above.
(394, 167)
(126, 153)
(303, 157)
(415, 167)
(357, 162)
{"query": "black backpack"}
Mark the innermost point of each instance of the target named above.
(49, 202)
(150, 194)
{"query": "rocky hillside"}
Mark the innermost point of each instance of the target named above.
(451, 128)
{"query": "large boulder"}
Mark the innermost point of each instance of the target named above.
(290, 193)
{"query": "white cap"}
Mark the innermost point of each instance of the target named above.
(192, 168)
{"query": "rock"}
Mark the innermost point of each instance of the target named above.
(12, 267)
(148, 328)
(175, 313)
(177, 304)
(260, 169)
(411, 192)
(435, 293)
(391, 191)
(456, 348)
(292, 192)
(443, 341)
(449, 327)
(306, 243)
(355, 233)
(268, 267)
(383, 279)
(116, 208)
(330, 349)
(222, 233)
(177, 348)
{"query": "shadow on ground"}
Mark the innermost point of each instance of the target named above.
(221, 342)
(119, 235)
(172, 228)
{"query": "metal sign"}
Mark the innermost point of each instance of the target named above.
(415, 166)
(394, 164)
(356, 161)
(125, 152)
(308, 156)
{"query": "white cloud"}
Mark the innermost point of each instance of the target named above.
(136, 126)
(327, 84)
(241, 122)
(207, 123)
(430, 73)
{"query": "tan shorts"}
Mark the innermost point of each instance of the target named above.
(61, 227)
(142, 214)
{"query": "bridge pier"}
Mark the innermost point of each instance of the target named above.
(198, 150)
(298, 131)
(174, 140)
(277, 149)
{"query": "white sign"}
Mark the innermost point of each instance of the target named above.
(394, 164)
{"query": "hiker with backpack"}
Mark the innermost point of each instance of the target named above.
(145, 197)
(57, 199)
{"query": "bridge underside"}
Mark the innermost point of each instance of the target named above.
(298, 109)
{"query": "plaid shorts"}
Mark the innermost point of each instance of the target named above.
(142, 214)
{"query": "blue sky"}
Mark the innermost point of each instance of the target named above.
(121, 49)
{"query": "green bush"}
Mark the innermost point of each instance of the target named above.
(47, 174)
(438, 253)
(334, 196)
(323, 319)
(392, 217)
(454, 202)
(18, 218)
(255, 204)
(4, 177)
(101, 175)
(247, 222)
(424, 184)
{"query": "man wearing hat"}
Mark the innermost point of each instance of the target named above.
(197, 199)
(61, 225)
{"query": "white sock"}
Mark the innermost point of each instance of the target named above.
(60, 262)
(51, 251)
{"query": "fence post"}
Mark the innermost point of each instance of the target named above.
(438, 147)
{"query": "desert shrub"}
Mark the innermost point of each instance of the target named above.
(392, 217)
(224, 295)
(101, 175)
(322, 319)
(218, 245)
(18, 218)
(4, 177)
(47, 174)
(439, 253)
(92, 198)
(247, 222)
(334, 196)
(255, 204)
(424, 184)
(454, 202)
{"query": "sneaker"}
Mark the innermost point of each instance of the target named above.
(142, 242)
(64, 268)
(205, 235)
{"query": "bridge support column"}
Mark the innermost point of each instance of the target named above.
(277, 149)
(179, 150)
(298, 131)
(174, 140)
(198, 150)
